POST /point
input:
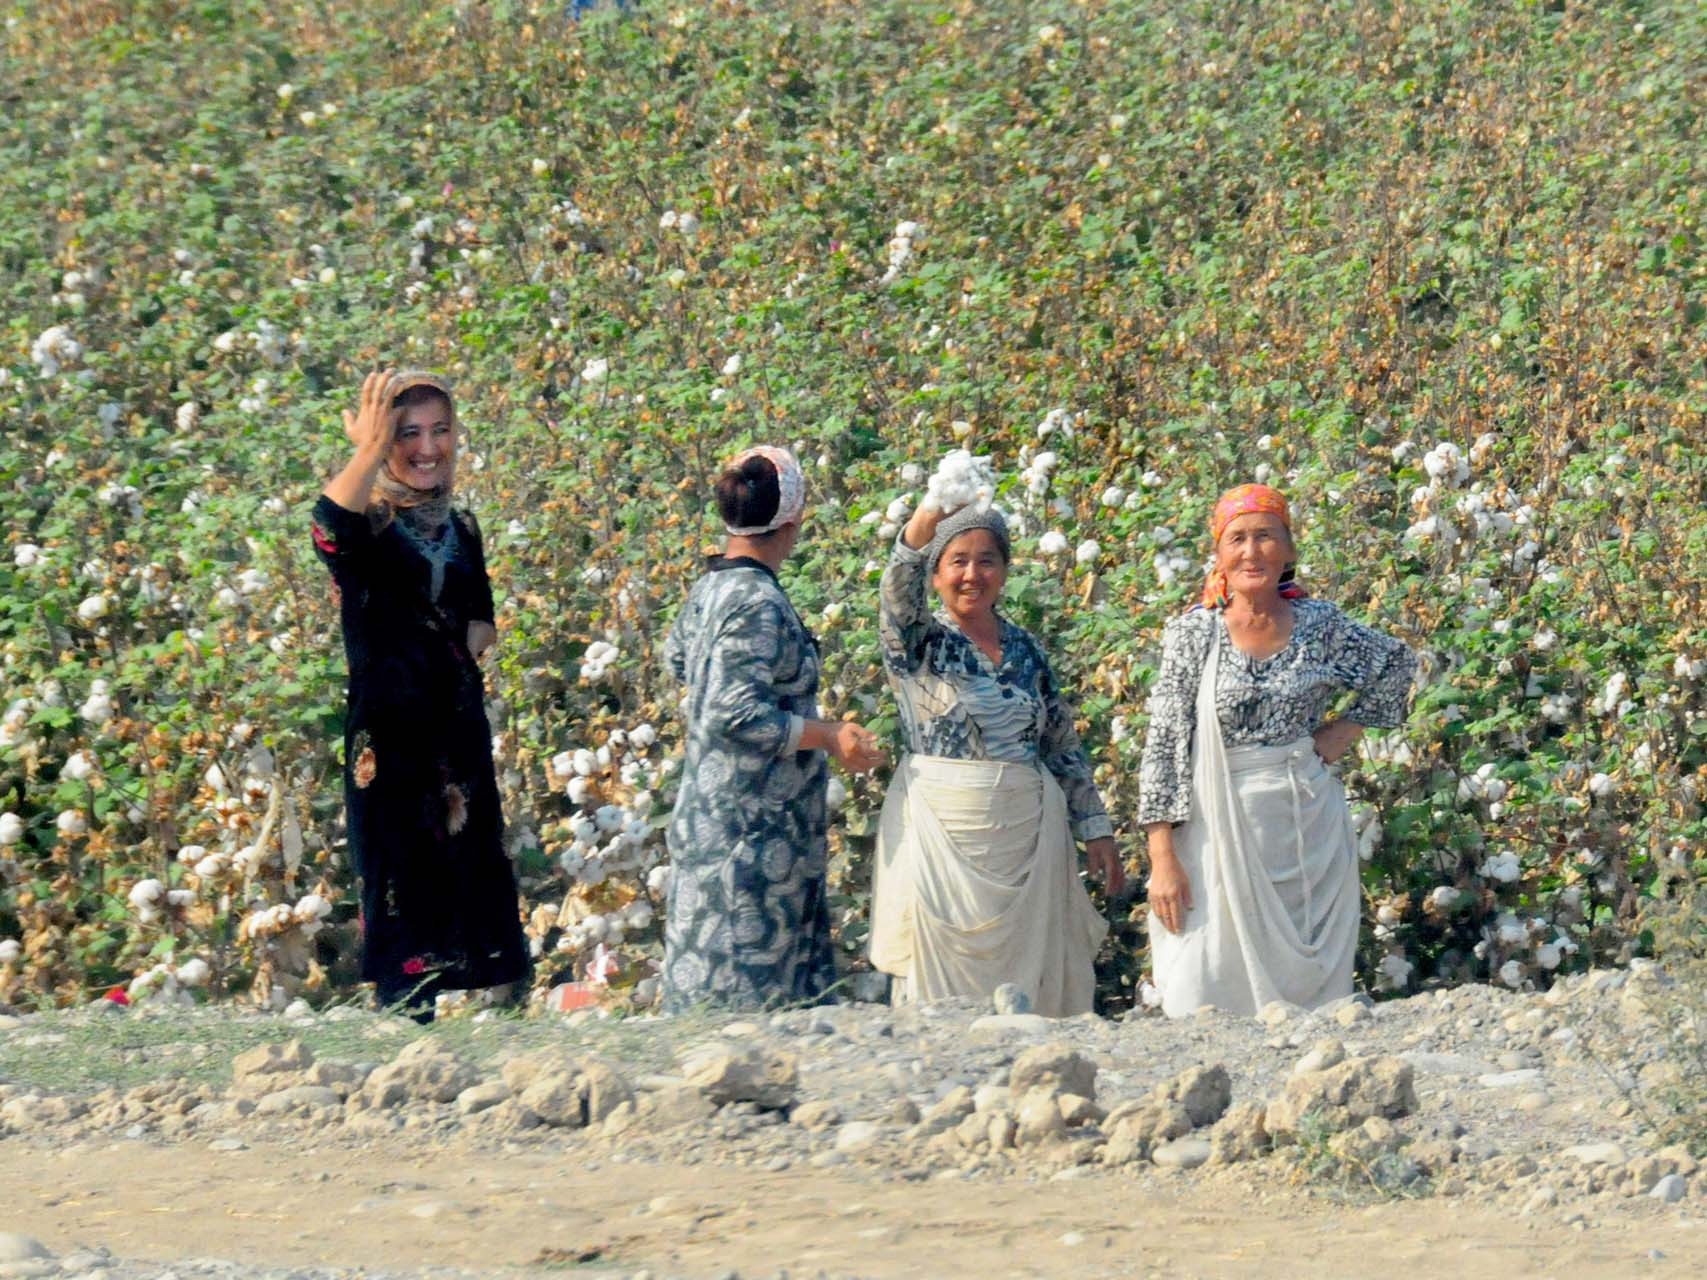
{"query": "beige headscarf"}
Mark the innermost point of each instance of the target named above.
(422, 511)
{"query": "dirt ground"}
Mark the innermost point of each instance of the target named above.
(532, 1212)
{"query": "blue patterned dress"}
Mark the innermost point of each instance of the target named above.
(956, 703)
(748, 923)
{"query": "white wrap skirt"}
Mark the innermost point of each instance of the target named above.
(1271, 858)
(977, 884)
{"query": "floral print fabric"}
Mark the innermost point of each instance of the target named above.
(958, 704)
(748, 922)
(1264, 701)
(438, 896)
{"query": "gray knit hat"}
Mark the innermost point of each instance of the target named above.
(964, 521)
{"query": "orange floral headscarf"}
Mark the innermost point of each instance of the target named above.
(1246, 499)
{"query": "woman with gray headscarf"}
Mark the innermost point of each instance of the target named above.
(977, 883)
(748, 920)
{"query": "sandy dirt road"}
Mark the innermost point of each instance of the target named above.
(536, 1212)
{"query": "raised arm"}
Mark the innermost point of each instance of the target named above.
(903, 613)
(371, 430)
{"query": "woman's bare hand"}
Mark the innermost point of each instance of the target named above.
(374, 424)
(1170, 887)
(1102, 860)
(855, 748)
(921, 528)
(1335, 738)
(481, 637)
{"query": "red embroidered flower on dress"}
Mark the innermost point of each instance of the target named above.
(325, 541)
(118, 995)
(365, 768)
(414, 965)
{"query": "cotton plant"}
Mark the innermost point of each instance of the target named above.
(609, 848)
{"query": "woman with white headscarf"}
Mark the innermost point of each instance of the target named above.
(748, 921)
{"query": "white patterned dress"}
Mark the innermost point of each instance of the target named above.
(747, 922)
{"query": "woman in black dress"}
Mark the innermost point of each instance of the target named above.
(438, 896)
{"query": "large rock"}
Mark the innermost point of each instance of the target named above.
(1136, 1131)
(304, 1098)
(1241, 1134)
(1038, 1116)
(1204, 1092)
(269, 1066)
(1343, 1096)
(815, 1115)
(767, 1078)
(1054, 1066)
(34, 1111)
(425, 1071)
(944, 1114)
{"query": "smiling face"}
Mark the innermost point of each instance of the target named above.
(970, 575)
(423, 453)
(1253, 552)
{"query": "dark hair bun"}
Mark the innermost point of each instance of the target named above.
(748, 495)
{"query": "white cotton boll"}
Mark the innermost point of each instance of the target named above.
(1149, 995)
(584, 762)
(1056, 420)
(71, 823)
(249, 859)
(146, 892)
(1600, 784)
(1504, 867)
(10, 951)
(92, 607)
(579, 789)
(836, 795)
(687, 224)
(78, 767)
(637, 915)
(1443, 898)
(658, 880)
(180, 898)
(209, 866)
(1544, 638)
(1394, 971)
(603, 756)
(1509, 930)
(732, 366)
(194, 972)
(898, 510)
(1688, 668)
(1113, 496)
(1511, 973)
(11, 828)
(1548, 955)
(1052, 543)
(912, 473)
(609, 817)
(1087, 552)
(595, 370)
(1611, 700)
(960, 480)
(26, 555)
(563, 764)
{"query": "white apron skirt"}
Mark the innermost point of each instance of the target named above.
(1271, 858)
(977, 884)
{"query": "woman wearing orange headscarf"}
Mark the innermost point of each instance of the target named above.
(1253, 862)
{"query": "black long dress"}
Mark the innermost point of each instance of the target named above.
(438, 895)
